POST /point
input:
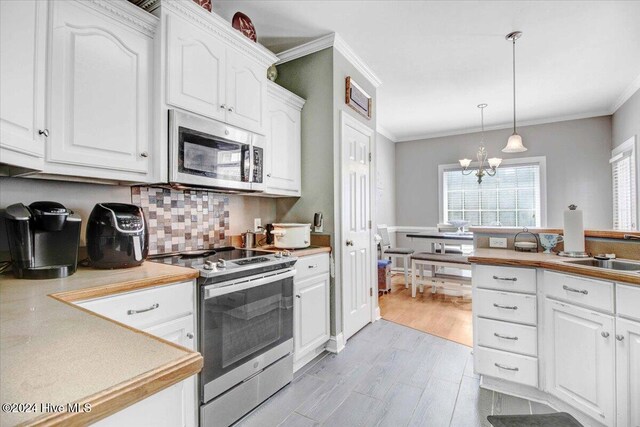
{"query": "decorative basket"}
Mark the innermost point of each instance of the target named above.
(526, 241)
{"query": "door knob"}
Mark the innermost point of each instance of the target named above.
(44, 132)
(349, 242)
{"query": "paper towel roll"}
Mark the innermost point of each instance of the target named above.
(573, 230)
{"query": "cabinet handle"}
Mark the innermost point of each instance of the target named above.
(153, 307)
(604, 334)
(269, 175)
(144, 154)
(298, 296)
(620, 337)
(578, 291)
(223, 107)
(189, 335)
(505, 337)
(44, 132)
(507, 279)
(230, 109)
(508, 307)
(313, 266)
(508, 368)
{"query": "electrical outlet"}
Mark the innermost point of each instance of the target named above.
(257, 223)
(497, 242)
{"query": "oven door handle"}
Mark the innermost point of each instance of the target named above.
(240, 285)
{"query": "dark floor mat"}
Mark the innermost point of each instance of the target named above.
(559, 419)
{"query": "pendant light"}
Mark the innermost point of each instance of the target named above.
(481, 155)
(514, 144)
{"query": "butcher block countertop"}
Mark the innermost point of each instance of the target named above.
(311, 250)
(52, 351)
(512, 258)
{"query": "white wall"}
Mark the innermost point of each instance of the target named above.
(385, 180)
(81, 197)
(578, 171)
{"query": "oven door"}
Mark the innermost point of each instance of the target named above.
(207, 153)
(245, 326)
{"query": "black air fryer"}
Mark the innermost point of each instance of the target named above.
(117, 236)
(43, 240)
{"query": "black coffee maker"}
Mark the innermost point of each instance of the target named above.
(43, 240)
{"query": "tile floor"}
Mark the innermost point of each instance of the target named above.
(388, 375)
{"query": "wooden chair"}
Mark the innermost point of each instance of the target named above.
(395, 253)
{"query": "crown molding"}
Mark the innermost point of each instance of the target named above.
(505, 126)
(626, 94)
(127, 13)
(338, 43)
(284, 95)
(385, 132)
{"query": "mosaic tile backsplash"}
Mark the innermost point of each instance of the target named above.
(183, 220)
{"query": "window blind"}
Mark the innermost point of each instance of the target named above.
(511, 198)
(624, 190)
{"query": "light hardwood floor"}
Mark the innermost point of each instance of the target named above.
(443, 316)
(388, 375)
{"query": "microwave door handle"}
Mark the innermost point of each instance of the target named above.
(251, 160)
(222, 288)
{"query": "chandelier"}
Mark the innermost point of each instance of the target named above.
(486, 166)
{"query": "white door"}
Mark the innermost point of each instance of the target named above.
(283, 149)
(195, 69)
(23, 32)
(356, 243)
(181, 332)
(100, 95)
(245, 92)
(628, 372)
(311, 308)
(581, 359)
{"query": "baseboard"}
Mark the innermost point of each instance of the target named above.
(336, 343)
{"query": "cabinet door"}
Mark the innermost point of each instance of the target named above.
(195, 69)
(581, 359)
(628, 372)
(100, 95)
(311, 314)
(23, 35)
(181, 332)
(283, 149)
(246, 92)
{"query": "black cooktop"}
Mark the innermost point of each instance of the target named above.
(198, 258)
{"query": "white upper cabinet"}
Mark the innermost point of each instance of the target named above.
(23, 32)
(628, 372)
(101, 91)
(195, 69)
(246, 92)
(283, 144)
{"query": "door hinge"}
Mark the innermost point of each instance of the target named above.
(369, 156)
(369, 224)
(370, 292)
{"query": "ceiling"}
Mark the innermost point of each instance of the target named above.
(438, 59)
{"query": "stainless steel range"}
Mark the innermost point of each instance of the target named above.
(245, 328)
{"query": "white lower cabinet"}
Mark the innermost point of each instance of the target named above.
(628, 372)
(166, 312)
(580, 359)
(311, 309)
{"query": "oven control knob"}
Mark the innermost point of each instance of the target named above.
(222, 263)
(286, 253)
(209, 265)
(278, 254)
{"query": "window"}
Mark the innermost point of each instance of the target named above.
(623, 170)
(511, 198)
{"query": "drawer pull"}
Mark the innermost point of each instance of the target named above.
(505, 337)
(508, 307)
(508, 368)
(313, 266)
(507, 279)
(620, 337)
(153, 307)
(604, 334)
(578, 291)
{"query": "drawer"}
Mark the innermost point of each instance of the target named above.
(311, 265)
(508, 366)
(590, 293)
(507, 306)
(507, 336)
(628, 301)
(505, 278)
(145, 308)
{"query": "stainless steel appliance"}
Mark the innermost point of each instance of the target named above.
(117, 236)
(207, 153)
(43, 240)
(245, 328)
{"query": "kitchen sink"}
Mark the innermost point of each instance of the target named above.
(612, 264)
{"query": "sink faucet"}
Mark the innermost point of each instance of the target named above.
(632, 236)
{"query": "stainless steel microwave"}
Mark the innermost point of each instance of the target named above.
(207, 153)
